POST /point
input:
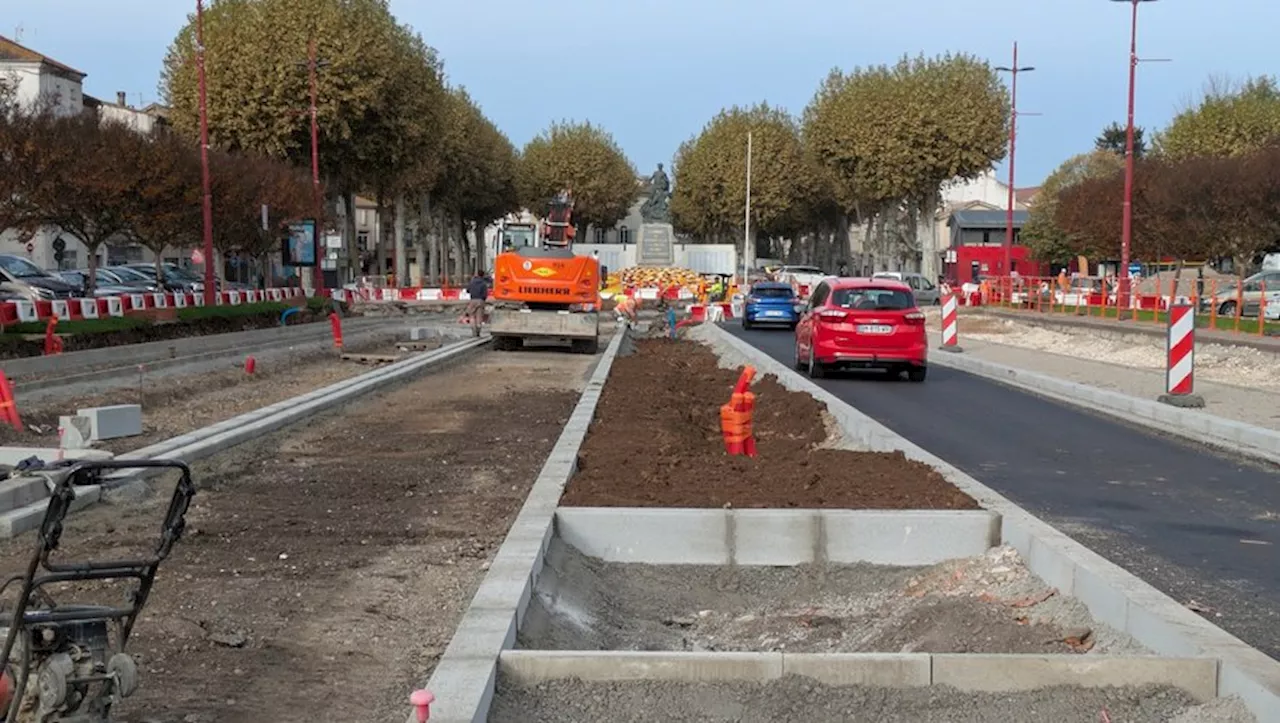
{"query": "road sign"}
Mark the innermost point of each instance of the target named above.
(1135, 269)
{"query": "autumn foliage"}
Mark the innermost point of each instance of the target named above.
(1197, 208)
(107, 183)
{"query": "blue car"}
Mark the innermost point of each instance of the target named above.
(771, 302)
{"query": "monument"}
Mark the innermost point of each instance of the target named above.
(655, 244)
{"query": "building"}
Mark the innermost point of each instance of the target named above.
(38, 79)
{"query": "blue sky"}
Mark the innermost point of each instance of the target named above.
(654, 71)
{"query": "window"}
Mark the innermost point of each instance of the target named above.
(874, 299)
(599, 235)
(19, 267)
(70, 259)
(819, 296)
(362, 241)
(914, 282)
(926, 284)
(774, 292)
(624, 235)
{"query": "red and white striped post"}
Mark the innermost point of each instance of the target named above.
(950, 324)
(1180, 359)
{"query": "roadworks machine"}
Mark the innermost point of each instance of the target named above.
(547, 293)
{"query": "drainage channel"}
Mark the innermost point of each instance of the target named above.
(603, 611)
(216, 438)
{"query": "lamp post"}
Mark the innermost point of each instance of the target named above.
(312, 65)
(747, 251)
(1126, 227)
(210, 286)
(1013, 70)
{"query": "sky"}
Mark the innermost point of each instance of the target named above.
(653, 72)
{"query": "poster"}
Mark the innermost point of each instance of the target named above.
(300, 247)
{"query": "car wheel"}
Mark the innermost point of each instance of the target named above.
(1227, 309)
(746, 323)
(816, 370)
(792, 326)
(917, 374)
(795, 362)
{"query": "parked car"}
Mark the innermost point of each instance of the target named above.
(925, 291)
(771, 302)
(1250, 293)
(807, 277)
(23, 278)
(862, 324)
(107, 284)
(134, 278)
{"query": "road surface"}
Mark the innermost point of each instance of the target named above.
(1202, 527)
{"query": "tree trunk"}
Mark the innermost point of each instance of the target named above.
(437, 247)
(420, 240)
(351, 264)
(402, 250)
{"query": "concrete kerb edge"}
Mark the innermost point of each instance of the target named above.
(776, 537)
(464, 678)
(1113, 595)
(968, 671)
(1192, 424)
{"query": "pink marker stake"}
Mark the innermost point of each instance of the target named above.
(421, 701)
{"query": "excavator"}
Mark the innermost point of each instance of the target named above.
(547, 293)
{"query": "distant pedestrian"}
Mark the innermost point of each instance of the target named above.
(478, 293)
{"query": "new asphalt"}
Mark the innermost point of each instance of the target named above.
(1201, 526)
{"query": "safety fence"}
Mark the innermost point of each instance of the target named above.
(24, 311)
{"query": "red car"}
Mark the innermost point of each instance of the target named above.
(862, 324)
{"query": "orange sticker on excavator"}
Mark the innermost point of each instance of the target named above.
(544, 272)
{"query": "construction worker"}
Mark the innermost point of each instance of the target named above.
(626, 309)
(478, 291)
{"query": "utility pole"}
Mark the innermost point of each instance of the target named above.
(210, 284)
(320, 251)
(1126, 228)
(1013, 151)
(747, 252)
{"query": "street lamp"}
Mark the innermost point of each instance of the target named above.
(1013, 150)
(1126, 229)
(210, 287)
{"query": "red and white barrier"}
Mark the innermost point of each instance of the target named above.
(1181, 361)
(950, 323)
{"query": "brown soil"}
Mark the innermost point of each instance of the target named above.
(177, 404)
(324, 569)
(656, 442)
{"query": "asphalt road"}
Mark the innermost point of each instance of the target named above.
(1202, 527)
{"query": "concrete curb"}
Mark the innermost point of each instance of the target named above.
(969, 671)
(127, 354)
(1113, 595)
(1193, 424)
(670, 536)
(215, 438)
(464, 678)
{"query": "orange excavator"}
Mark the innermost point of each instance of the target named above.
(546, 292)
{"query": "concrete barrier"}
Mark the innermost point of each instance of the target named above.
(1113, 595)
(967, 672)
(666, 536)
(464, 677)
(1195, 425)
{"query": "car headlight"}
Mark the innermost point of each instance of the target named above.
(45, 293)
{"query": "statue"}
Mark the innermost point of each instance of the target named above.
(655, 208)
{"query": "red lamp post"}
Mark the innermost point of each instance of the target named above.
(210, 285)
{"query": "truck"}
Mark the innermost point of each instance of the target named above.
(547, 293)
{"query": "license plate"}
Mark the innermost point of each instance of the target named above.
(875, 329)
(774, 313)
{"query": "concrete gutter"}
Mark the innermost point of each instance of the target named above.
(464, 678)
(967, 672)
(216, 438)
(1113, 595)
(149, 352)
(670, 536)
(1192, 424)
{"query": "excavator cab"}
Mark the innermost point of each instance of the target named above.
(558, 229)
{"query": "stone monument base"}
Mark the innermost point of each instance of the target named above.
(655, 245)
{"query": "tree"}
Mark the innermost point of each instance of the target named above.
(710, 172)
(1230, 122)
(586, 159)
(93, 169)
(891, 136)
(1115, 139)
(166, 211)
(1043, 234)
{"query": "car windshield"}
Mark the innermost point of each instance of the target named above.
(146, 272)
(774, 292)
(175, 272)
(105, 277)
(72, 277)
(872, 298)
(20, 268)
